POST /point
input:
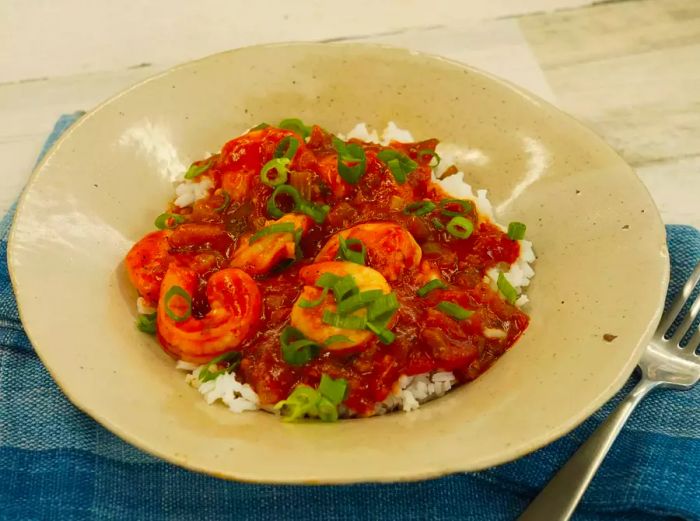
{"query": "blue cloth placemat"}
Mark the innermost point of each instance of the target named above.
(57, 463)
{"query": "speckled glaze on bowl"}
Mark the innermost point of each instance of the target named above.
(602, 264)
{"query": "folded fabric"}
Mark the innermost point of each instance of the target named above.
(57, 463)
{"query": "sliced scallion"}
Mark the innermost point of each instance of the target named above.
(287, 147)
(303, 303)
(464, 207)
(380, 311)
(270, 229)
(454, 310)
(168, 220)
(516, 231)
(147, 323)
(336, 339)
(295, 125)
(177, 291)
(506, 288)
(419, 208)
(344, 287)
(224, 205)
(352, 161)
(279, 167)
(317, 212)
(344, 322)
(430, 286)
(196, 170)
(385, 336)
(359, 301)
(460, 227)
(433, 156)
(437, 223)
(334, 390)
(296, 348)
(259, 127)
(346, 251)
(399, 164)
(233, 358)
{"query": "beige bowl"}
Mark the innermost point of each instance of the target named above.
(602, 264)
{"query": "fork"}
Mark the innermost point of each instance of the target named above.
(664, 363)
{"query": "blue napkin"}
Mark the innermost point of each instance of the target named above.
(57, 463)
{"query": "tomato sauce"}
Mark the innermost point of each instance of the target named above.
(426, 339)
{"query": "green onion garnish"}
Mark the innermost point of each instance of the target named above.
(327, 280)
(381, 309)
(295, 125)
(168, 220)
(180, 292)
(334, 390)
(352, 161)
(287, 147)
(147, 323)
(279, 166)
(465, 207)
(419, 208)
(317, 212)
(234, 360)
(361, 300)
(385, 336)
(399, 164)
(336, 339)
(432, 154)
(506, 288)
(437, 223)
(344, 322)
(346, 251)
(460, 227)
(303, 303)
(296, 348)
(516, 231)
(270, 229)
(344, 287)
(197, 170)
(259, 127)
(224, 205)
(430, 286)
(454, 310)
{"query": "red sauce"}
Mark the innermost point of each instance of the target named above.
(426, 339)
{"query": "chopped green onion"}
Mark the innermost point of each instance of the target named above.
(287, 147)
(224, 205)
(302, 401)
(516, 231)
(336, 339)
(234, 359)
(327, 412)
(178, 291)
(168, 220)
(419, 208)
(296, 348)
(272, 207)
(197, 170)
(147, 323)
(352, 160)
(269, 230)
(344, 322)
(454, 310)
(317, 212)
(399, 164)
(385, 336)
(437, 223)
(460, 227)
(465, 206)
(303, 303)
(327, 280)
(430, 286)
(381, 309)
(361, 300)
(259, 127)
(506, 288)
(432, 154)
(295, 125)
(279, 165)
(344, 287)
(345, 251)
(334, 390)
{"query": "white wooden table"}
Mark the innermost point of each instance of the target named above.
(629, 69)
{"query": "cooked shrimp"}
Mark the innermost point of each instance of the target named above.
(147, 262)
(235, 304)
(268, 251)
(390, 248)
(310, 320)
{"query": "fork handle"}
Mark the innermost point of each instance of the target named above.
(557, 501)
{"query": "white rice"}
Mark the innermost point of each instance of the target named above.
(410, 391)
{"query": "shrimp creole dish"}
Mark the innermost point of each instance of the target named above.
(323, 276)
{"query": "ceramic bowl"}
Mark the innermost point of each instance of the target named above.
(602, 264)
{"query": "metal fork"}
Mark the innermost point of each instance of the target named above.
(664, 363)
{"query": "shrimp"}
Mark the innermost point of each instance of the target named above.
(268, 251)
(235, 305)
(202, 247)
(390, 248)
(309, 320)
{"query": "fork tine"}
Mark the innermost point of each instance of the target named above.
(680, 300)
(694, 342)
(684, 327)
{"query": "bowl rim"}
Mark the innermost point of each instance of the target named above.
(508, 454)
